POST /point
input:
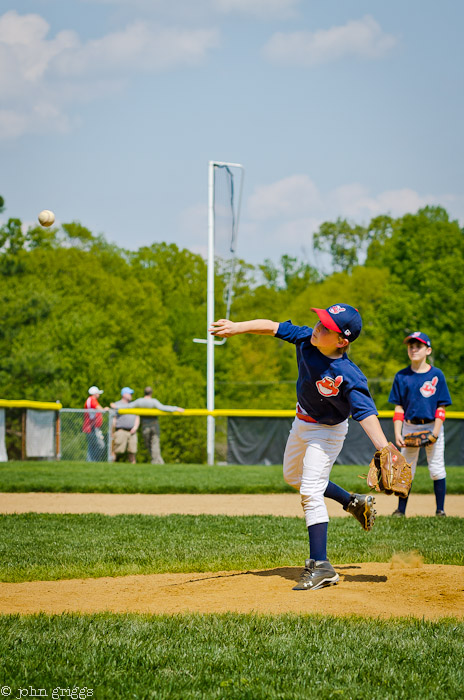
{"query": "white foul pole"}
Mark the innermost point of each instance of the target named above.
(210, 318)
(210, 341)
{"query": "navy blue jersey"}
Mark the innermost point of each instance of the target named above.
(328, 389)
(420, 393)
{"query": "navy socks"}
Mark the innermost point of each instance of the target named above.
(402, 504)
(318, 533)
(318, 541)
(440, 490)
(337, 494)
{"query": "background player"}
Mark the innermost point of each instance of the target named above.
(420, 394)
(329, 388)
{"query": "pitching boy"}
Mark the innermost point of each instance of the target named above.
(420, 395)
(329, 388)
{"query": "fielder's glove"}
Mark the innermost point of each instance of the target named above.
(389, 472)
(421, 438)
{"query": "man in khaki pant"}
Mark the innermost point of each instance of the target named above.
(150, 424)
(125, 428)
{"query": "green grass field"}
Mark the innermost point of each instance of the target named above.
(214, 656)
(46, 547)
(232, 656)
(180, 478)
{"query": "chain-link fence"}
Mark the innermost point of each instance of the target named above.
(85, 435)
(242, 437)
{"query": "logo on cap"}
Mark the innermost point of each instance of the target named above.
(337, 309)
(421, 337)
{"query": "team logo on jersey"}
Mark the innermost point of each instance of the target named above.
(337, 309)
(429, 388)
(327, 386)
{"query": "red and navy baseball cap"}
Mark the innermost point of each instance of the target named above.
(341, 318)
(421, 337)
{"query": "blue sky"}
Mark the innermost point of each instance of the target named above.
(111, 109)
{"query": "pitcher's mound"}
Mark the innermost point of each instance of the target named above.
(399, 588)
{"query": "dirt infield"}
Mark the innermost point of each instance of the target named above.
(285, 504)
(402, 587)
(396, 589)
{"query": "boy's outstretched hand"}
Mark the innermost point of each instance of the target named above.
(223, 328)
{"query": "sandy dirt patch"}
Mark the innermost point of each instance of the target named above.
(286, 504)
(370, 590)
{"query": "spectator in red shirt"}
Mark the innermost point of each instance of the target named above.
(93, 420)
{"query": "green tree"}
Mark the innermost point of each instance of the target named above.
(41, 237)
(12, 238)
(343, 241)
(78, 310)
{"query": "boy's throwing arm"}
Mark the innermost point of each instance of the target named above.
(223, 328)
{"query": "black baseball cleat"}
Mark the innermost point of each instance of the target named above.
(362, 508)
(398, 514)
(441, 513)
(316, 574)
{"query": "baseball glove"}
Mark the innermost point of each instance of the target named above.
(389, 472)
(420, 439)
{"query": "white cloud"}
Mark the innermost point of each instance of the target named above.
(362, 38)
(139, 47)
(41, 117)
(354, 201)
(288, 197)
(25, 52)
(281, 217)
(42, 75)
(298, 196)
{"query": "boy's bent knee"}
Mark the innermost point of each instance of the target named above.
(315, 510)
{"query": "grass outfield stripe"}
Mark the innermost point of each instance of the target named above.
(233, 656)
(182, 478)
(49, 547)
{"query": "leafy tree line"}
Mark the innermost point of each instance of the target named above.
(78, 311)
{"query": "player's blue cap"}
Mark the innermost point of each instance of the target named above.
(126, 390)
(341, 318)
(421, 337)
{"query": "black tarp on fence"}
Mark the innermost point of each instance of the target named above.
(262, 441)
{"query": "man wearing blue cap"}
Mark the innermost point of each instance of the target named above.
(420, 395)
(125, 427)
(330, 387)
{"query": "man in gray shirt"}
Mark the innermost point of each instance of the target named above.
(150, 424)
(125, 427)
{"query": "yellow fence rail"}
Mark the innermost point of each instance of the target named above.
(23, 403)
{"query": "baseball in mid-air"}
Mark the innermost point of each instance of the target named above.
(46, 217)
